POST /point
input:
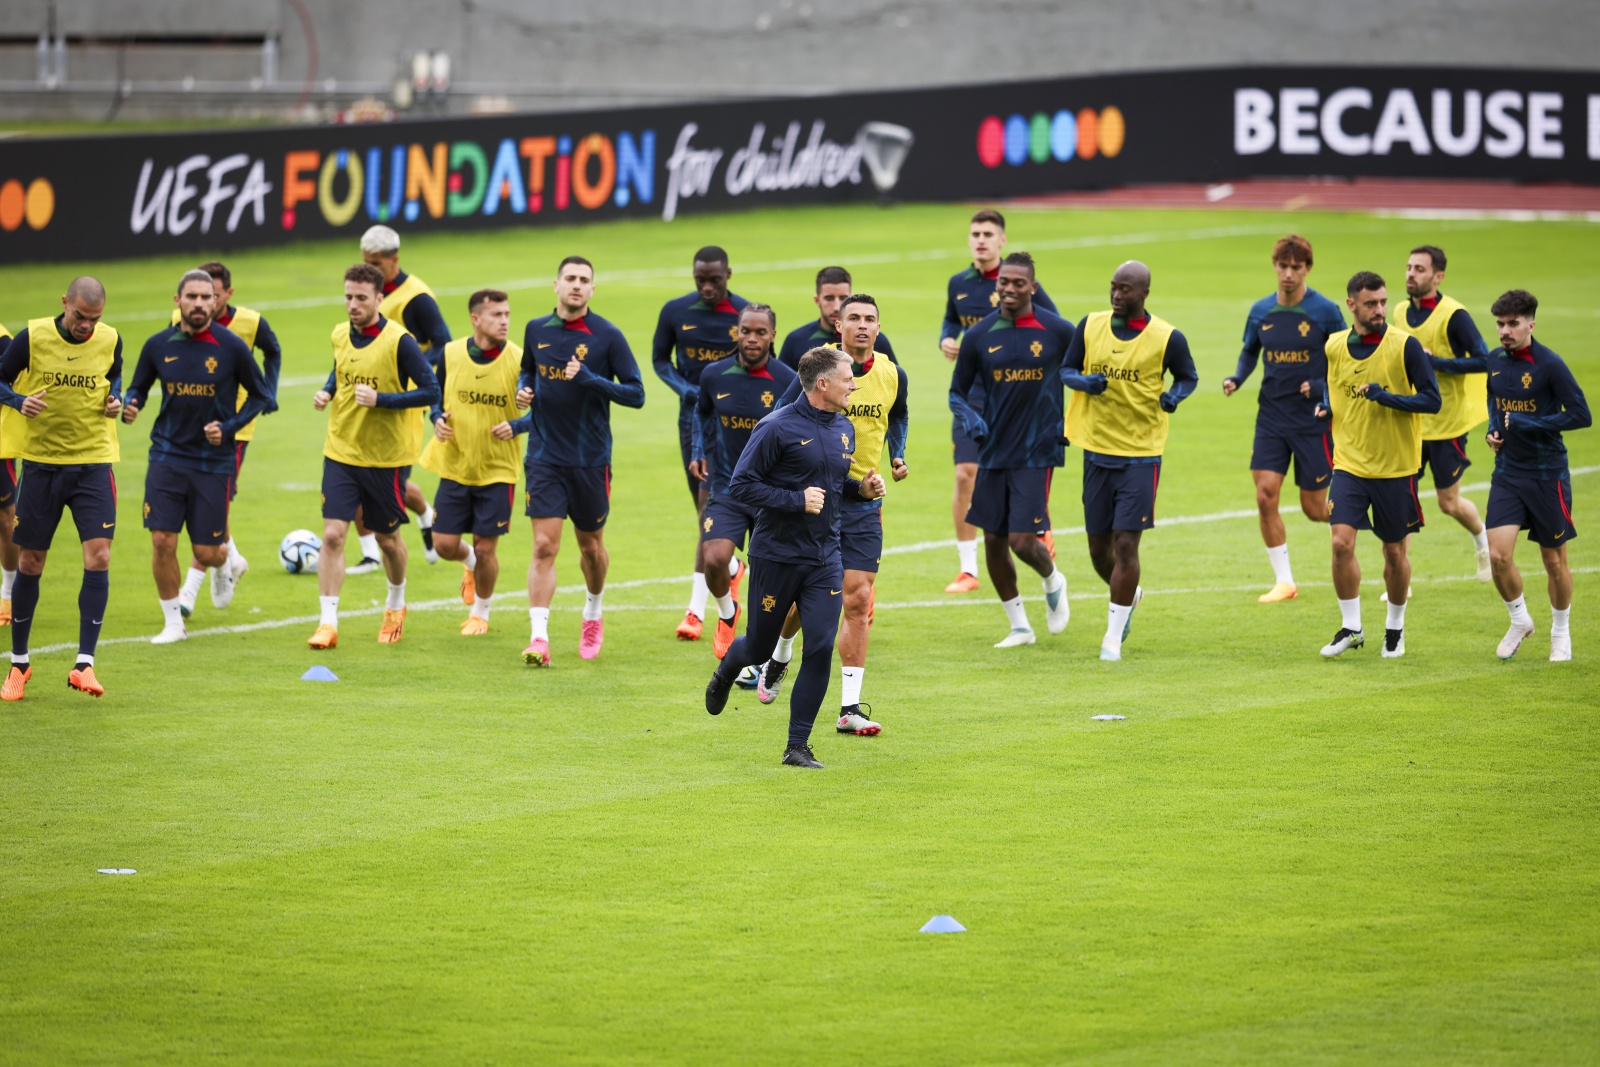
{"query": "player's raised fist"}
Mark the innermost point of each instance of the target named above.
(442, 428)
(366, 396)
(32, 405)
(320, 400)
(814, 500)
(525, 397)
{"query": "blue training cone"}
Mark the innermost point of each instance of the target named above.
(319, 674)
(942, 924)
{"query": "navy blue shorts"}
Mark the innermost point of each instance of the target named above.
(1543, 508)
(1448, 458)
(8, 483)
(966, 449)
(1119, 498)
(480, 510)
(1015, 500)
(861, 538)
(1312, 454)
(582, 494)
(379, 493)
(239, 448)
(1395, 510)
(686, 449)
(176, 498)
(726, 520)
(88, 489)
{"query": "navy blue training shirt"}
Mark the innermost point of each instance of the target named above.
(569, 423)
(1292, 343)
(700, 334)
(732, 400)
(199, 380)
(1019, 421)
(1533, 398)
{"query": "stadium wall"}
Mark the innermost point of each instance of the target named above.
(140, 195)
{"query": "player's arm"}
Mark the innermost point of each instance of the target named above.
(1249, 356)
(1471, 353)
(271, 362)
(749, 483)
(1419, 372)
(1072, 375)
(950, 328)
(1180, 364)
(628, 388)
(414, 367)
(436, 412)
(113, 406)
(1574, 413)
(703, 434)
(423, 319)
(12, 363)
(258, 398)
(144, 376)
(661, 359)
(899, 420)
(968, 366)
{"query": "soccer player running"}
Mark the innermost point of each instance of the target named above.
(251, 328)
(701, 327)
(474, 450)
(1380, 384)
(1118, 417)
(65, 377)
(1018, 352)
(970, 297)
(833, 285)
(200, 368)
(369, 446)
(11, 430)
(408, 301)
(1460, 359)
(575, 365)
(738, 393)
(1288, 332)
(1533, 398)
(795, 471)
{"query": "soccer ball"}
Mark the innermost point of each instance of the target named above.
(300, 551)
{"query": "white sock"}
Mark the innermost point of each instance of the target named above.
(540, 618)
(369, 546)
(480, 607)
(784, 651)
(697, 595)
(471, 561)
(19, 660)
(591, 605)
(1116, 619)
(1350, 614)
(967, 552)
(1397, 616)
(397, 596)
(853, 676)
(1480, 540)
(171, 614)
(425, 520)
(1560, 621)
(7, 580)
(191, 583)
(725, 606)
(1278, 556)
(1057, 582)
(85, 658)
(1016, 613)
(734, 566)
(1519, 611)
(330, 610)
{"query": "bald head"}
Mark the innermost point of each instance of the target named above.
(1130, 285)
(87, 291)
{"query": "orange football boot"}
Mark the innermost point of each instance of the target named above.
(469, 586)
(394, 624)
(325, 637)
(727, 630)
(689, 629)
(16, 682)
(474, 626)
(83, 680)
(964, 583)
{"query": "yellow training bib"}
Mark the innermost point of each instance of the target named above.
(1370, 440)
(1463, 398)
(10, 435)
(869, 412)
(477, 396)
(76, 379)
(1126, 419)
(368, 437)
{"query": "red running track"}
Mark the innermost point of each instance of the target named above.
(1349, 194)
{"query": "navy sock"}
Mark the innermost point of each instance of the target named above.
(92, 599)
(810, 686)
(24, 600)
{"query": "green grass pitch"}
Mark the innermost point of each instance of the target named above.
(448, 857)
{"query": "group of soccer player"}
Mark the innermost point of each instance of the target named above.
(788, 447)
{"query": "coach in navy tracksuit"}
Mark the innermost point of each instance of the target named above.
(795, 472)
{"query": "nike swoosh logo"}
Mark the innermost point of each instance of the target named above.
(687, 328)
(506, 523)
(1039, 518)
(169, 359)
(961, 296)
(107, 525)
(97, 622)
(996, 348)
(1496, 374)
(546, 344)
(808, 440)
(482, 376)
(71, 358)
(1322, 477)
(1266, 326)
(723, 396)
(835, 592)
(1560, 535)
(216, 533)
